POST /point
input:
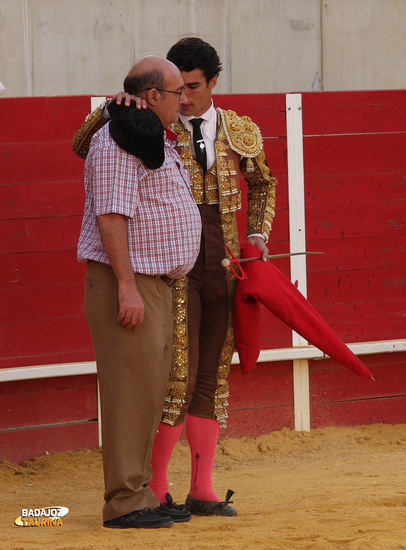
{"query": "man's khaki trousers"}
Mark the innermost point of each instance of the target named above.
(132, 369)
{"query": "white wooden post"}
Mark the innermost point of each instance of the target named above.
(297, 237)
(96, 101)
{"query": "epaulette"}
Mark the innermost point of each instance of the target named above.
(243, 135)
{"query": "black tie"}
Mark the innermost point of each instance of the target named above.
(198, 141)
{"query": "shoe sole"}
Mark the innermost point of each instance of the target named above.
(181, 520)
(166, 524)
(176, 514)
(212, 514)
(207, 508)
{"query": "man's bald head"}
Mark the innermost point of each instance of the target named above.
(151, 71)
(160, 83)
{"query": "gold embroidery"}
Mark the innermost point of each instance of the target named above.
(183, 139)
(229, 192)
(222, 169)
(211, 187)
(81, 140)
(221, 148)
(197, 183)
(243, 136)
(231, 167)
(179, 369)
(261, 195)
(229, 224)
(184, 148)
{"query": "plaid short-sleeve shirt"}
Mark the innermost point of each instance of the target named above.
(163, 221)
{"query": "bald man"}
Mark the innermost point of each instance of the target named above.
(138, 204)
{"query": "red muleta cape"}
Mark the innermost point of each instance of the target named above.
(268, 286)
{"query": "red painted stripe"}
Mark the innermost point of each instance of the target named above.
(45, 118)
(256, 422)
(41, 200)
(41, 269)
(61, 404)
(354, 112)
(357, 413)
(20, 445)
(39, 234)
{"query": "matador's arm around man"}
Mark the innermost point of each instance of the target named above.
(83, 135)
(98, 118)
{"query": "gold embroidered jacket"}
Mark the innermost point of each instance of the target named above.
(238, 146)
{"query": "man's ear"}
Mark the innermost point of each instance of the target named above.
(152, 96)
(213, 82)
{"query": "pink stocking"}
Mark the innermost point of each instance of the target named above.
(164, 443)
(202, 435)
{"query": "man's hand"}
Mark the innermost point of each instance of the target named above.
(126, 98)
(113, 234)
(131, 306)
(260, 244)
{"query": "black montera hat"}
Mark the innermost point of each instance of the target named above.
(139, 132)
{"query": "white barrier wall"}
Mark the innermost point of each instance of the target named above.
(70, 47)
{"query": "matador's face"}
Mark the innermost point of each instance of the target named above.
(198, 92)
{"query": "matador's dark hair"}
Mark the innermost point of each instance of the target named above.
(193, 53)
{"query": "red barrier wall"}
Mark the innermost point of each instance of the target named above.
(354, 145)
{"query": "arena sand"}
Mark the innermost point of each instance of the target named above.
(332, 488)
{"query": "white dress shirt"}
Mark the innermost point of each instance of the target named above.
(209, 132)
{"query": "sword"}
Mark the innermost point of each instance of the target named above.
(238, 261)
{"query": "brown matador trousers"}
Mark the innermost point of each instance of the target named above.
(132, 369)
(208, 311)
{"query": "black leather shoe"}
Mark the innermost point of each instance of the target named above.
(139, 519)
(210, 507)
(175, 511)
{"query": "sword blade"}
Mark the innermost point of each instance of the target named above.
(271, 256)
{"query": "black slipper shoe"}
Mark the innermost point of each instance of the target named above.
(209, 507)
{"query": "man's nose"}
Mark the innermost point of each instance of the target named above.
(184, 99)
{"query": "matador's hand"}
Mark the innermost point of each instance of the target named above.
(126, 98)
(260, 244)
